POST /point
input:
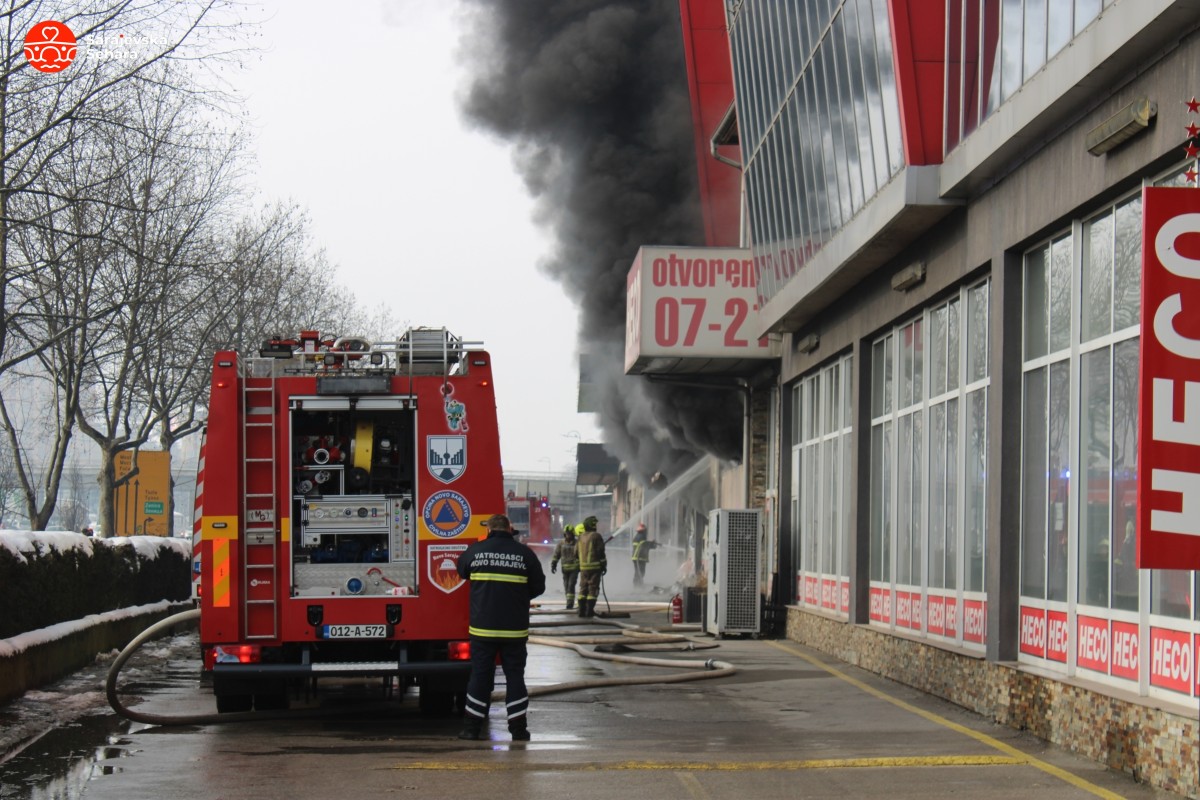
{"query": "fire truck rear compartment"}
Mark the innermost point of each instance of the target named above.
(352, 483)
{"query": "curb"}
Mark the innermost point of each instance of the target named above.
(46, 662)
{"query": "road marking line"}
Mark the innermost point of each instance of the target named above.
(722, 766)
(1058, 772)
(692, 784)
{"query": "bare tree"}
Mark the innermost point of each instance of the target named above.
(170, 200)
(42, 114)
(72, 514)
(126, 255)
(56, 310)
(230, 301)
(10, 496)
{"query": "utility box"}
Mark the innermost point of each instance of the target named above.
(732, 558)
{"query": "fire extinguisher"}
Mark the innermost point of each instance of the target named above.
(676, 610)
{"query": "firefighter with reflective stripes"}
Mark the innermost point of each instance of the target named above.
(567, 551)
(641, 547)
(592, 565)
(505, 575)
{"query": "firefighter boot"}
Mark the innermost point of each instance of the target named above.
(519, 728)
(589, 609)
(570, 602)
(583, 606)
(472, 728)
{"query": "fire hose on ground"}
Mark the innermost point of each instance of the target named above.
(694, 670)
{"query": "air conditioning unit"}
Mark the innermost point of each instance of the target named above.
(732, 559)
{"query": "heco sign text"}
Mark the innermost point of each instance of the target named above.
(1168, 534)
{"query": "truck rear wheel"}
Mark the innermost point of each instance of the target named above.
(233, 703)
(270, 701)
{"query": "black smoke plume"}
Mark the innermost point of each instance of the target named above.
(592, 95)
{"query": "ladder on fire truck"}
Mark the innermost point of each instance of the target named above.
(260, 549)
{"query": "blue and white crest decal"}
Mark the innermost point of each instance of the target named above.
(446, 514)
(446, 457)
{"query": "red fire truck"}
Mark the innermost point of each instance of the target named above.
(536, 522)
(342, 479)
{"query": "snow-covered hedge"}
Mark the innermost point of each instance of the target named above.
(48, 577)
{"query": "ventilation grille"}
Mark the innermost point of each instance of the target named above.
(741, 572)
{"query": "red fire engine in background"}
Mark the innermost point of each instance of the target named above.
(536, 521)
(341, 482)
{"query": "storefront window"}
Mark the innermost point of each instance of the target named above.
(821, 486)
(1079, 430)
(1079, 578)
(928, 489)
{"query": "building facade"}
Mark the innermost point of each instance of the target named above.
(944, 203)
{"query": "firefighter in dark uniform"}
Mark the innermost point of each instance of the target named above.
(641, 554)
(592, 565)
(567, 551)
(505, 575)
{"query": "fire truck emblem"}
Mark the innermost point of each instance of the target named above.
(446, 456)
(442, 566)
(446, 514)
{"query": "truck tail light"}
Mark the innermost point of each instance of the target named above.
(460, 651)
(232, 654)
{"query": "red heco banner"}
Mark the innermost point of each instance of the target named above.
(1168, 531)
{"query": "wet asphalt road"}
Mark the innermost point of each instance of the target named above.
(790, 723)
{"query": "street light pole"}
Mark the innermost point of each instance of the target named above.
(575, 487)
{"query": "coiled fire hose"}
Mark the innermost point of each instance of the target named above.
(695, 670)
(634, 635)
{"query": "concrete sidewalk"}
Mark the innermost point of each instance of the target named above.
(789, 723)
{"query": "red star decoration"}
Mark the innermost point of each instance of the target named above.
(1193, 130)
(1192, 150)
(1191, 175)
(1193, 106)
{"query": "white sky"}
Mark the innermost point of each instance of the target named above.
(355, 119)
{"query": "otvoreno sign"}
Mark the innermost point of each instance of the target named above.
(1168, 531)
(689, 308)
